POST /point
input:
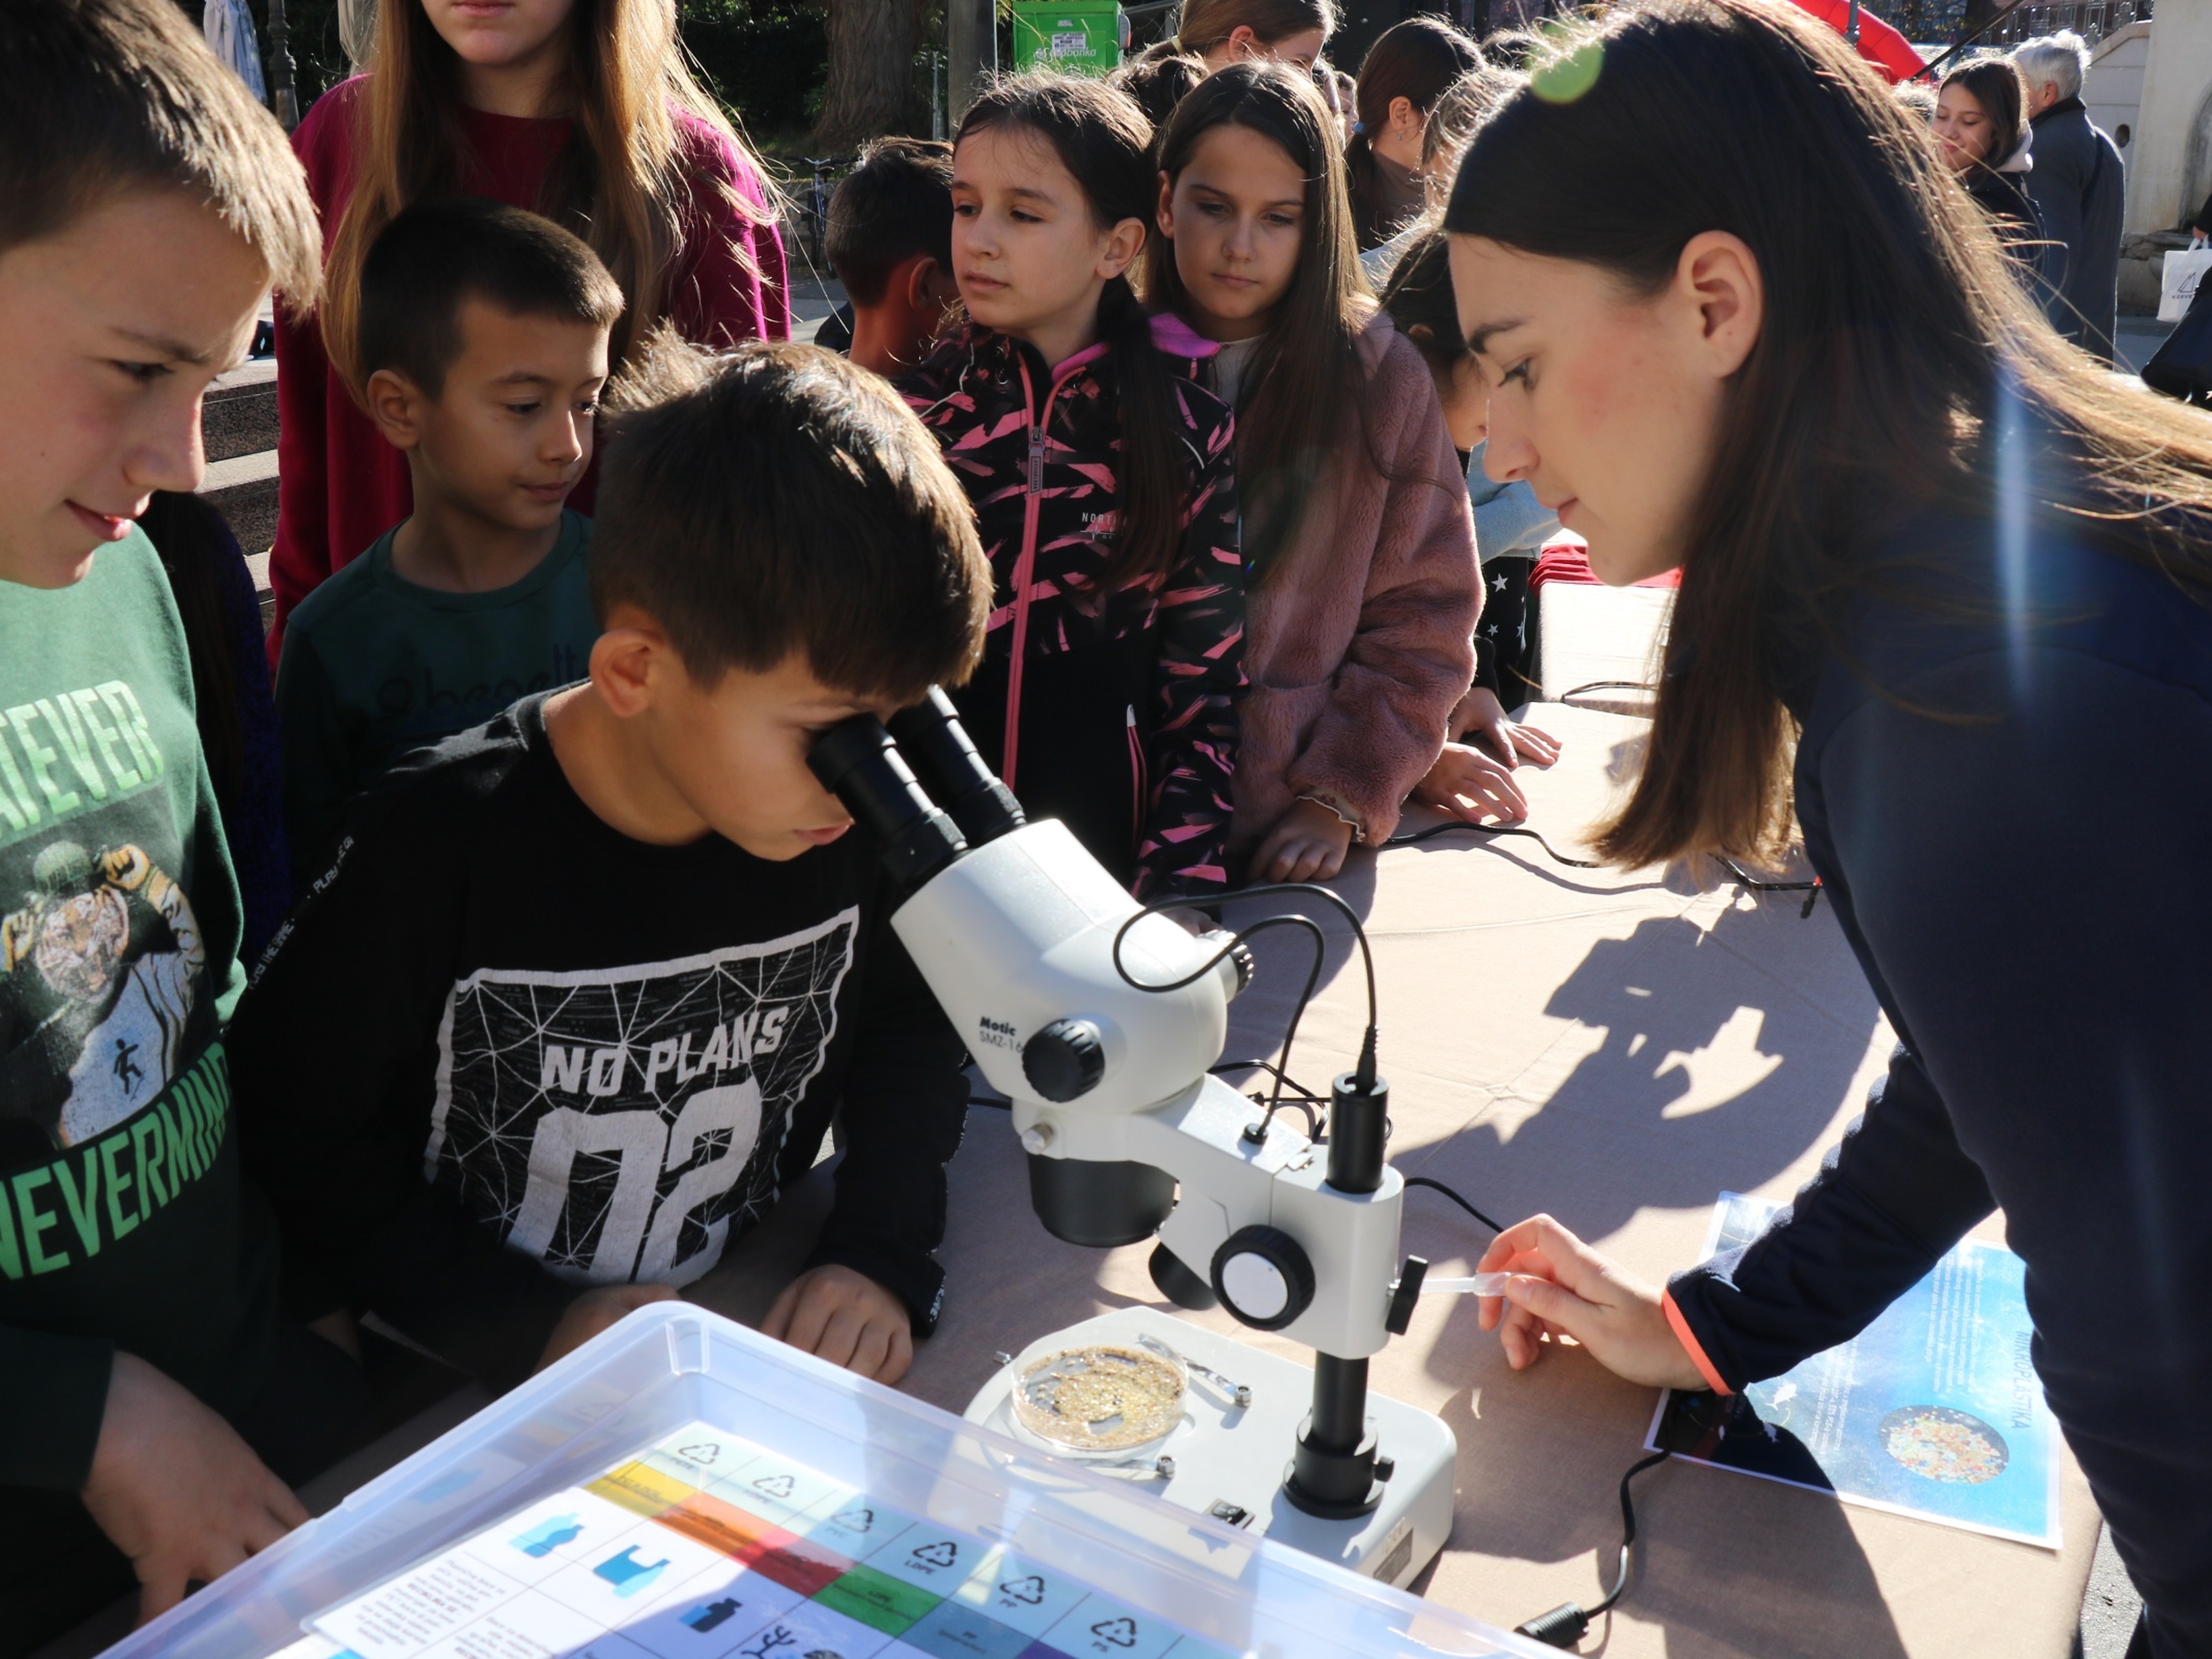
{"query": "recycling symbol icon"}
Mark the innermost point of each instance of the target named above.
(774, 1485)
(855, 1519)
(1029, 1591)
(942, 1554)
(705, 1452)
(1121, 1633)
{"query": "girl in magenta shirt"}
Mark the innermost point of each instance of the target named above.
(580, 109)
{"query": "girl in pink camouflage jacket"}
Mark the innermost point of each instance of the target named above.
(1363, 588)
(1101, 476)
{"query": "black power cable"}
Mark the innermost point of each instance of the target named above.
(1568, 1623)
(1438, 1186)
(1365, 1069)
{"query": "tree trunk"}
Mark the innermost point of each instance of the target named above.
(871, 85)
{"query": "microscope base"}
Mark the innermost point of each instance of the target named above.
(1229, 1460)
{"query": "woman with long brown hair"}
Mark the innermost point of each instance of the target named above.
(1945, 616)
(582, 110)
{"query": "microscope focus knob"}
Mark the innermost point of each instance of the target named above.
(1263, 1276)
(1064, 1060)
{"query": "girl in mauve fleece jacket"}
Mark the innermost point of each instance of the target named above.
(641, 166)
(1101, 478)
(1362, 586)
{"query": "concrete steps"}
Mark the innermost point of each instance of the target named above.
(238, 425)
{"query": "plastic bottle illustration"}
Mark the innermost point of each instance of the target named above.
(548, 1536)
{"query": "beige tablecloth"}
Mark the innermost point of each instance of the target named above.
(1618, 1051)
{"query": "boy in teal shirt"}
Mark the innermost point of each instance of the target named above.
(482, 349)
(151, 1406)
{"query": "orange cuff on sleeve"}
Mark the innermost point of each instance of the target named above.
(1690, 1344)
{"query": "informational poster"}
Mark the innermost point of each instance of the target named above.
(1933, 1411)
(709, 1547)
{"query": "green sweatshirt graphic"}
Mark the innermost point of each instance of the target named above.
(120, 1220)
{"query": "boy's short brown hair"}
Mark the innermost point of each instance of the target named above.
(436, 253)
(897, 203)
(776, 499)
(101, 97)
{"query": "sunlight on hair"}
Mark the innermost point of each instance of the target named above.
(1573, 72)
(2015, 505)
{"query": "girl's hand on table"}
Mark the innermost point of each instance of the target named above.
(1481, 715)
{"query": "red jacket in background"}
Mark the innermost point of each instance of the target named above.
(340, 486)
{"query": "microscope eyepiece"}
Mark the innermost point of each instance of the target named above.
(858, 763)
(931, 738)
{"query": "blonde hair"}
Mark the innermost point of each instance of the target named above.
(621, 185)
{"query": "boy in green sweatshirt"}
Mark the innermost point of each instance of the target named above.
(151, 1409)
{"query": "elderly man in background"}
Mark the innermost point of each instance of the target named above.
(2080, 189)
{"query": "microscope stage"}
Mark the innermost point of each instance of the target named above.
(1230, 1460)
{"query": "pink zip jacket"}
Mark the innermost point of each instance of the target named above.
(1114, 710)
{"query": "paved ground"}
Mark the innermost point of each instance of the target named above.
(2139, 336)
(812, 300)
(2109, 1608)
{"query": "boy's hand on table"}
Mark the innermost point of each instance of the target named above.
(595, 1311)
(1469, 784)
(845, 1318)
(1563, 1287)
(1307, 843)
(175, 1488)
(1479, 714)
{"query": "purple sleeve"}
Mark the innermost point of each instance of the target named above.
(730, 282)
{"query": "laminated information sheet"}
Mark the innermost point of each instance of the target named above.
(1933, 1411)
(710, 1547)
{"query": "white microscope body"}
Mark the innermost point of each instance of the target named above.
(1047, 970)
(1016, 939)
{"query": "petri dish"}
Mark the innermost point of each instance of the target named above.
(1102, 1400)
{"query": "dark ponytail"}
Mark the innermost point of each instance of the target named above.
(1422, 304)
(1415, 60)
(1102, 139)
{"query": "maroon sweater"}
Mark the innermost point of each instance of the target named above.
(340, 485)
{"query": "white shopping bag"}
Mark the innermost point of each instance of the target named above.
(2176, 285)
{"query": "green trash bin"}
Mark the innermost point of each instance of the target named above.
(1083, 38)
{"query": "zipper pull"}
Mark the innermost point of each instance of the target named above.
(1037, 460)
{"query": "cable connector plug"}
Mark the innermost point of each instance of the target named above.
(1567, 1624)
(1561, 1627)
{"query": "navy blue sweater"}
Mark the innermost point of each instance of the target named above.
(2008, 799)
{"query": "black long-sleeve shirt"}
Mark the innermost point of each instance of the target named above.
(503, 1052)
(2007, 800)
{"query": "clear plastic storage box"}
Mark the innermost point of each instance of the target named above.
(684, 1488)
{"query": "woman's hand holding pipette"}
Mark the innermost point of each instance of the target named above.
(1557, 1285)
